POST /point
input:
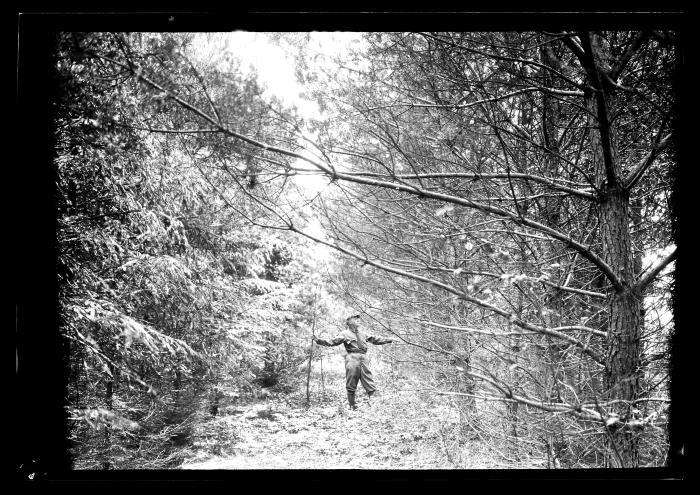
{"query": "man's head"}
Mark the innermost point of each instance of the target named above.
(353, 321)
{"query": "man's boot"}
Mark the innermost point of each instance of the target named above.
(351, 400)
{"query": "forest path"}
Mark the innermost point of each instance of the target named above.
(390, 433)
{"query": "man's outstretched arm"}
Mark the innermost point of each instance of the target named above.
(330, 343)
(378, 340)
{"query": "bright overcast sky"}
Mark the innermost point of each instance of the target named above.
(275, 65)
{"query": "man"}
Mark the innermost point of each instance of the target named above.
(356, 362)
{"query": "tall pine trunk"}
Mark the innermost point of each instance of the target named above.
(623, 356)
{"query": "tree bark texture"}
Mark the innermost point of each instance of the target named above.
(623, 356)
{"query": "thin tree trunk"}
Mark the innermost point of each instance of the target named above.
(311, 353)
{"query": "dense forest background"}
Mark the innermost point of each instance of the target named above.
(498, 203)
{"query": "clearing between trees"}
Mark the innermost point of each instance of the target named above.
(398, 429)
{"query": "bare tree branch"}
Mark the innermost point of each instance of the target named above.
(429, 104)
(476, 176)
(638, 171)
(649, 277)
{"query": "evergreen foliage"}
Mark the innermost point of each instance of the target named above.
(171, 304)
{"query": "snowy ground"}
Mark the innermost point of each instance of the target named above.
(396, 431)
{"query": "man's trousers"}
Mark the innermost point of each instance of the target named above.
(356, 369)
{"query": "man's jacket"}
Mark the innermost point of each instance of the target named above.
(354, 342)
